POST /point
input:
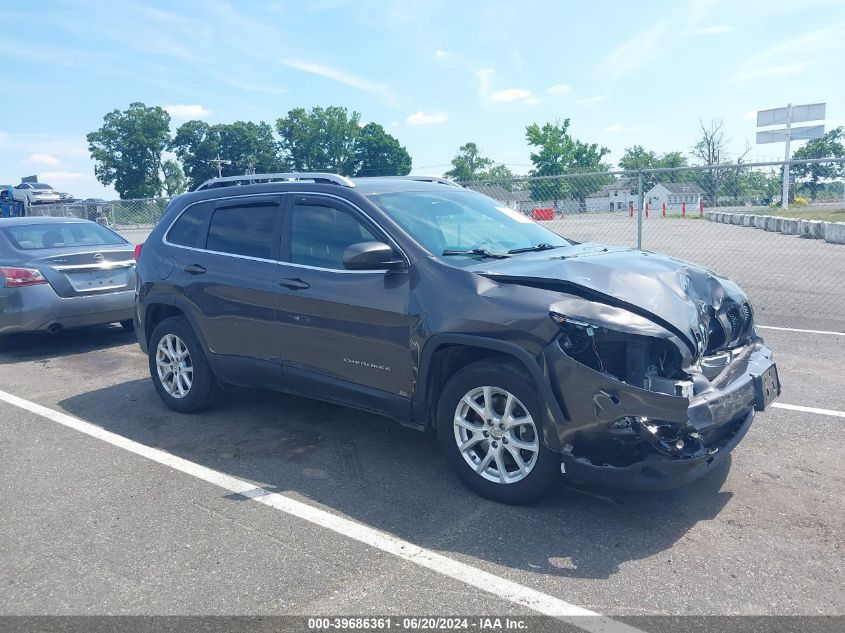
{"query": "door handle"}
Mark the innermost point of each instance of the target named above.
(294, 284)
(194, 269)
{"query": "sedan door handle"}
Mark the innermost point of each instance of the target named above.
(294, 284)
(194, 269)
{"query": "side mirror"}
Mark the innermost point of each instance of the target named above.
(371, 256)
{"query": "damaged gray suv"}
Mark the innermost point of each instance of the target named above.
(528, 354)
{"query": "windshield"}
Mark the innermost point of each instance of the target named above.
(37, 236)
(41, 185)
(461, 220)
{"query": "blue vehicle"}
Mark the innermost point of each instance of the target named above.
(9, 207)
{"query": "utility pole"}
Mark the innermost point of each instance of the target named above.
(219, 162)
(784, 201)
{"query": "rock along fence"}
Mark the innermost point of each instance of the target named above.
(832, 232)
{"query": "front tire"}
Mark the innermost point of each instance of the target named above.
(178, 366)
(490, 427)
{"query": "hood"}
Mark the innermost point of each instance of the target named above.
(674, 294)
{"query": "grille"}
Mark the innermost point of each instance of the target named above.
(734, 315)
(747, 314)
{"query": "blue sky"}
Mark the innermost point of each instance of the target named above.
(435, 74)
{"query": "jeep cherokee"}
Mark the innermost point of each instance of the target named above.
(529, 355)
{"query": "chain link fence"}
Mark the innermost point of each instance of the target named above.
(728, 218)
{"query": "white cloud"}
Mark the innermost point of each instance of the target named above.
(783, 70)
(423, 118)
(510, 94)
(559, 89)
(751, 115)
(372, 87)
(636, 51)
(616, 127)
(185, 112)
(716, 29)
(588, 100)
(440, 54)
(42, 159)
(532, 101)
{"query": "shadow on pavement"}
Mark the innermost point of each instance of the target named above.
(40, 345)
(377, 472)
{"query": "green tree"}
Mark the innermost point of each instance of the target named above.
(637, 158)
(379, 154)
(831, 145)
(468, 164)
(558, 153)
(498, 172)
(250, 148)
(127, 150)
(174, 181)
(322, 139)
(332, 139)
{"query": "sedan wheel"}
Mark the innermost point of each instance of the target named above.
(496, 435)
(174, 366)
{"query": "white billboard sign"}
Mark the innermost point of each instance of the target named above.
(796, 134)
(800, 113)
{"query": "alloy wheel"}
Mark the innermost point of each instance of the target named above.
(496, 435)
(174, 366)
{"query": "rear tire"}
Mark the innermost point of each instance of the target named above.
(178, 366)
(490, 427)
(5, 342)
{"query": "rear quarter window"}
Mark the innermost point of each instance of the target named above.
(186, 230)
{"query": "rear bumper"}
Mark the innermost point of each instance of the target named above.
(718, 416)
(37, 308)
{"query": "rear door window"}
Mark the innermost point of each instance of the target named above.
(248, 229)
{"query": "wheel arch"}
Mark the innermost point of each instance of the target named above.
(157, 309)
(445, 354)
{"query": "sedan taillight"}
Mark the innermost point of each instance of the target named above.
(17, 277)
(138, 250)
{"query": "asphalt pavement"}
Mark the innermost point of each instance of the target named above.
(91, 528)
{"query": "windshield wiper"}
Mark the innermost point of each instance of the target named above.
(481, 252)
(537, 247)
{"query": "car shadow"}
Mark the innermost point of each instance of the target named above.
(393, 478)
(39, 345)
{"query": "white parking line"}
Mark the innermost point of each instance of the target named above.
(794, 329)
(516, 593)
(798, 407)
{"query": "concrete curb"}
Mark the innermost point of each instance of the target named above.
(831, 232)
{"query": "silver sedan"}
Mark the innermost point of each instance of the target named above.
(59, 273)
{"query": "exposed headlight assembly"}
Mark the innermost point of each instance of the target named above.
(647, 362)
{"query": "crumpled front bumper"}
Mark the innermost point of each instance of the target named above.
(720, 412)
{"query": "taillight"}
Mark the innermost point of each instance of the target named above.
(17, 277)
(138, 251)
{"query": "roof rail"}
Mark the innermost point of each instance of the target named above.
(315, 176)
(437, 179)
